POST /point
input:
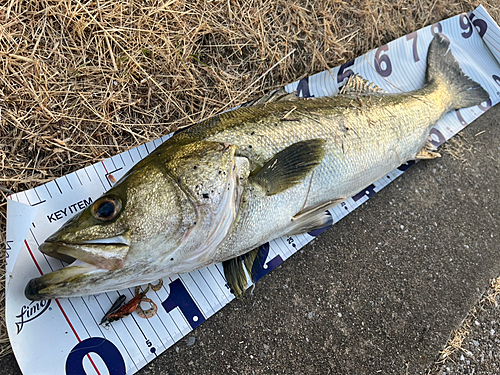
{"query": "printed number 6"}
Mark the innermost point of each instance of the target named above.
(386, 69)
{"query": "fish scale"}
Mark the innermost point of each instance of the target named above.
(359, 138)
(224, 187)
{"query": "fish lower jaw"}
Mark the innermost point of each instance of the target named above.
(65, 282)
(80, 279)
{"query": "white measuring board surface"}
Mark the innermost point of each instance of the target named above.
(64, 336)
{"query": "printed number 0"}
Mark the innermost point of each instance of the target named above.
(488, 105)
(386, 69)
(496, 78)
(105, 349)
(439, 28)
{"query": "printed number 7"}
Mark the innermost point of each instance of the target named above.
(414, 36)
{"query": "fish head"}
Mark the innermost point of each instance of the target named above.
(165, 216)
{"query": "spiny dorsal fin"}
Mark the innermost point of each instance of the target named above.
(357, 85)
(279, 95)
(290, 166)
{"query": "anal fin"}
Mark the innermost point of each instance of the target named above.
(427, 152)
(313, 218)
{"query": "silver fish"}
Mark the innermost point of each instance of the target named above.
(220, 189)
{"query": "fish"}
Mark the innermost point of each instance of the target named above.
(218, 190)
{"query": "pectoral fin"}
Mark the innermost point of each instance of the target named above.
(290, 166)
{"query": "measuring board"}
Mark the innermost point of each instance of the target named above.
(63, 336)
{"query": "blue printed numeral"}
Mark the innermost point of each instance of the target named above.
(260, 268)
(369, 191)
(105, 349)
(303, 88)
(179, 297)
(317, 232)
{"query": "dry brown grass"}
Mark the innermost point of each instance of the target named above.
(81, 81)
(459, 148)
(489, 299)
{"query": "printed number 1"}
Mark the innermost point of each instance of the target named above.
(260, 268)
(179, 297)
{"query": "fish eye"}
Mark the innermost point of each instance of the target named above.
(106, 208)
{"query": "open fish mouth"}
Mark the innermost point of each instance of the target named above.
(89, 261)
(104, 253)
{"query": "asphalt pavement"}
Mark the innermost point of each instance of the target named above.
(379, 292)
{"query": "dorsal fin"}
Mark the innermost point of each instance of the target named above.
(357, 85)
(279, 95)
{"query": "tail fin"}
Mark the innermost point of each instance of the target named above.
(444, 69)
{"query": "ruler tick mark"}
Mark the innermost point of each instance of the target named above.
(46, 188)
(112, 161)
(121, 157)
(71, 187)
(97, 173)
(130, 154)
(85, 169)
(76, 174)
(60, 191)
(26, 195)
